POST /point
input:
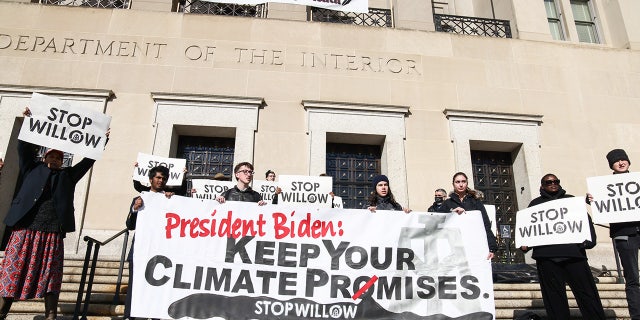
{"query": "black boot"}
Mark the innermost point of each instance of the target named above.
(5, 305)
(51, 305)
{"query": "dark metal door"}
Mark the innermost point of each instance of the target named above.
(206, 156)
(353, 167)
(493, 175)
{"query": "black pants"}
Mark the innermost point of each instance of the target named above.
(555, 275)
(628, 251)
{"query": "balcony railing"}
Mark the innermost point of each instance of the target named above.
(109, 4)
(223, 9)
(374, 18)
(472, 26)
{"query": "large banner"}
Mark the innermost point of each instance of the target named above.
(209, 189)
(555, 222)
(616, 197)
(360, 6)
(306, 190)
(147, 161)
(203, 260)
(64, 126)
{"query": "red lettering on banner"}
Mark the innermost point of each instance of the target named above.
(227, 227)
(305, 228)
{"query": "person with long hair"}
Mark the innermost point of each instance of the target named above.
(382, 198)
(464, 199)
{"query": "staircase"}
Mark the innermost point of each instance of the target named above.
(511, 299)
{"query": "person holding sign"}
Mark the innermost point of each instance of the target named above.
(382, 198)
(158, 177)
(562, 264)
(271, 176)
(626, 236)
(41, 214)
(242, 191)
(464, 199)
(177, 190)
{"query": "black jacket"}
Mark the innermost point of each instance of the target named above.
(34, 178)
(384, 203)
(235, 194)
(570, 250)
(470, 203)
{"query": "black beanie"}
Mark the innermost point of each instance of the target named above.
(379, 178)
(616, 155)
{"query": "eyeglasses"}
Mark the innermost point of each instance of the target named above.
(246, 172)
(550, 182)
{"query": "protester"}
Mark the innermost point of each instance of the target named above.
(180, 190)
(463, 199)
(158, 177)
(242, 191)
(562, 264)
(271, 176)
(626, 236)
(41, 214)
(382, 197)
(438, 200)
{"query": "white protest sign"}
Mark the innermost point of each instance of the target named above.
(266, 189)
(306, 190)
(65, 126)
(147, 161)
(360, 6)
(491, 212)
(337, 202)
(616, 197)
(209, 189)
(559, 221)
(237, 260)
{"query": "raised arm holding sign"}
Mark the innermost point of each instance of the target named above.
(41, 214)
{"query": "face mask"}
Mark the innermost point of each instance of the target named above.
(438, 200)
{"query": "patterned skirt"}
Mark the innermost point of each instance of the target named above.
(32, 264)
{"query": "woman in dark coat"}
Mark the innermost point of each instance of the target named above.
(463, 199)
(382, 198)
(562, 264)
(41, 214)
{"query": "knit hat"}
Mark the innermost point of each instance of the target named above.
(379, 178)
(616, 155)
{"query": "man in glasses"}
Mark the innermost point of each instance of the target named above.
(626, 236)
(242, 191)
(562, 264)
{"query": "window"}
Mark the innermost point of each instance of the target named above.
(353, 167)
(553, 16)
(585, 25)
(206, 156)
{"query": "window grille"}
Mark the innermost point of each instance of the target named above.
(374, 18)
(108, 4)
(472, 26)
(223, 9)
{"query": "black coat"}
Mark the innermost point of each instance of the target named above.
(384, 203)
(34, 178)
(470, 203)
(235, 194)
(570, 250)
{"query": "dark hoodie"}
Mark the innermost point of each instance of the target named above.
(561, 251)
(385, 203)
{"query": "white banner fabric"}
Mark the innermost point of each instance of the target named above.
(266, 189)
(201, 259)
(209, 189)
(306, 190)
(360, 6)
(337, 202)
(616, 197)
(64, 126)
(147, 161)
(555, 222)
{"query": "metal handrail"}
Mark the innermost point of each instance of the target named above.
(83, 279)
(619, 278)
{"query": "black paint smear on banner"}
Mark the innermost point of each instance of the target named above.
(207, 305)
